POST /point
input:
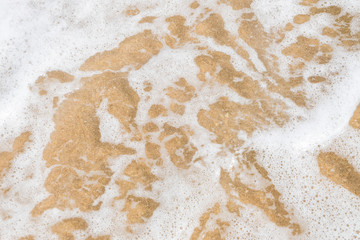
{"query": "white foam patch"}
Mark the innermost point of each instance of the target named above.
(327, 210)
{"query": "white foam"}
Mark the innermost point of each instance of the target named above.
(41, 36)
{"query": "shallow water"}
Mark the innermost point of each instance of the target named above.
(179, 119)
